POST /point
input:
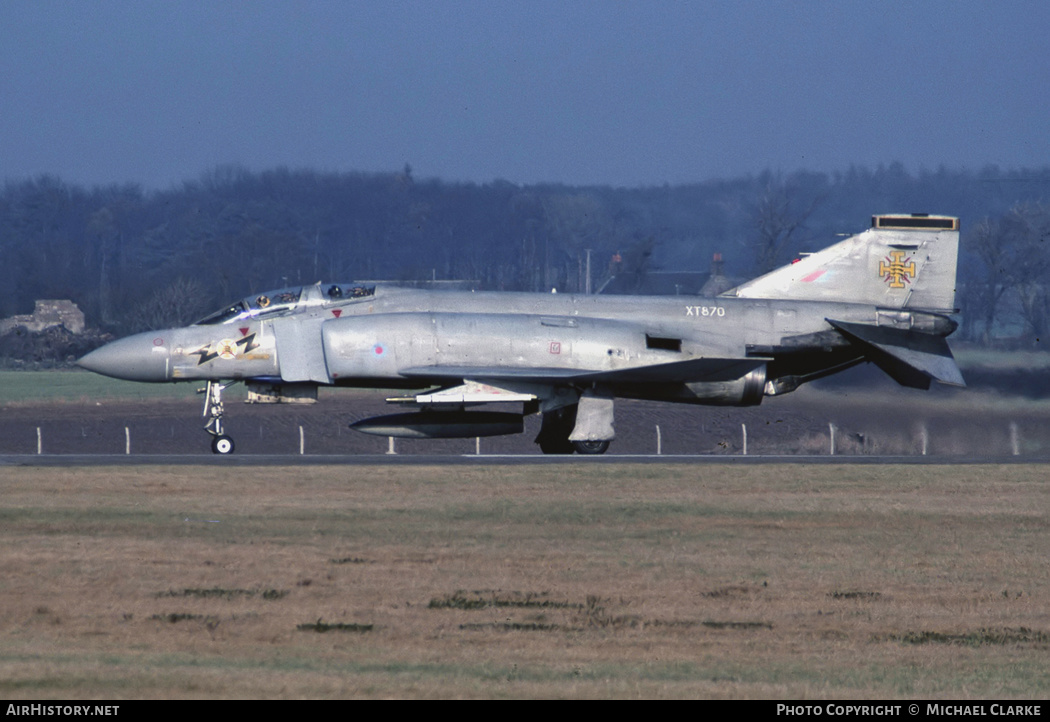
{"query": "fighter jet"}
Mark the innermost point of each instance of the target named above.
(883, 296)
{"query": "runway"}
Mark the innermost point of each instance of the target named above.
(818, 429)
(244, 460)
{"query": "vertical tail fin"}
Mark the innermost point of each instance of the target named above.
(902, 261)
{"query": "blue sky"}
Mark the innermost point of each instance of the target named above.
(579, 92)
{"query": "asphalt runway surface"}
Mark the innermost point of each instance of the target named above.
(73, 460)
(881, 426)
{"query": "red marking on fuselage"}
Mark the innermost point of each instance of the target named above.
(813, 276)
(244, 330)
(337, 312)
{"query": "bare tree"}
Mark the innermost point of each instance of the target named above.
(993, 280)
(574, 222)
(1012, 283)
(1027, 227)
(102, 226)
(779, 216)
(181, 302)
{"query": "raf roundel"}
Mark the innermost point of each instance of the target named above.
(227, 349)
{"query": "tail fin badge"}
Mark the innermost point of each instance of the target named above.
(895, 271)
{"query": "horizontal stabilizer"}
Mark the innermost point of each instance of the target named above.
(911, 358)
(697, 369)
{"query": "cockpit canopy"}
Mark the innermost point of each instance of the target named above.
(272, 303)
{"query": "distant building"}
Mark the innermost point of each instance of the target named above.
(718, 282)
(48, 313)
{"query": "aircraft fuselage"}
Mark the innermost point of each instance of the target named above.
(365, 341)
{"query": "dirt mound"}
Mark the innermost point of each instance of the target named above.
(53, 347)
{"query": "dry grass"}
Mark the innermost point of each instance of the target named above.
(563, 581)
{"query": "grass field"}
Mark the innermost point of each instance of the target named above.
(79, 387)
(835, 582)
(969, 358)
(21, 387)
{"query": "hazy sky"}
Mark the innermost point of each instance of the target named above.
(607, 92)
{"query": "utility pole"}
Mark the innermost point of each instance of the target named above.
(587, 280)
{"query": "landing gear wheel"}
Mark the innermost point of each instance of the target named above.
(591, 447)
(222, 445)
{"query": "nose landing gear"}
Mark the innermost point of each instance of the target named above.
(214, 411)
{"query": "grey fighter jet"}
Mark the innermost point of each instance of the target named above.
(882, 296)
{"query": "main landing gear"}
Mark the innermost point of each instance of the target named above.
(554, 434)
(214, 411)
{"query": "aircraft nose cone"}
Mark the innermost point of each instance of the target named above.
(142, 357)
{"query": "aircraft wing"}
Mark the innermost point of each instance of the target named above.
(696, 369)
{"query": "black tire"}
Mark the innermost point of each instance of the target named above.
(222, 445)
(591, 447)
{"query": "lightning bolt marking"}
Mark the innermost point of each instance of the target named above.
(204, 354)
(248, 343)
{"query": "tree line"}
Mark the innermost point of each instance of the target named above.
(134, 259)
